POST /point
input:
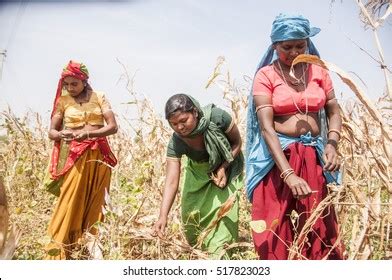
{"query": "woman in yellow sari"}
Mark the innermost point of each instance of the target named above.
(81, 160)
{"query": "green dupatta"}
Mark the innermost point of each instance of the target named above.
(217, 145)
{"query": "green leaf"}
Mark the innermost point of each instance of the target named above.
(54, 252)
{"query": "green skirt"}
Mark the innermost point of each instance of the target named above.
(200, 204)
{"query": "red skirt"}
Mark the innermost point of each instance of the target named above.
(273, 202)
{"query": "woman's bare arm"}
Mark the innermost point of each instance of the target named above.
(298, 186)
(173, 169)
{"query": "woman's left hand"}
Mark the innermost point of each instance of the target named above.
(331, 158)
(81, 135)
(219, 177)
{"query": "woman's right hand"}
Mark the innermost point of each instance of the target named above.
(219, 177)
(159, 227)
(298, 186)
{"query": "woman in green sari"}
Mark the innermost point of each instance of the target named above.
(213, 173)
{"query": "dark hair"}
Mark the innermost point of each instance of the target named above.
(87, 85)
(279, 42)
(178, 102)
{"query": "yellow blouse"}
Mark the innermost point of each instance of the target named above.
(79, 114)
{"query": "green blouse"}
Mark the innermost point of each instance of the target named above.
(177, 147)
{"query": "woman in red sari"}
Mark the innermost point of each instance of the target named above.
(81, 160)
(288, 160)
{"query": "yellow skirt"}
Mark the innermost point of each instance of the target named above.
(79, 207)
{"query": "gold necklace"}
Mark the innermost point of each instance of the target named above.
(300, 80)
(304, 83)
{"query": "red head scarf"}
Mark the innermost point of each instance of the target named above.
(72, 69)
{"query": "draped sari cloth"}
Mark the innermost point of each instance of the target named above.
(79, 206)
(271, 199)
(200, 204)
(217, 145)
(202, 199)
(82, 171)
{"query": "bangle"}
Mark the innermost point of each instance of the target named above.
(336, 131)
(284, 173)
(333, 143)
(287, 175)
(263, 106)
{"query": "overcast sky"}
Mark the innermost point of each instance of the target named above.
(171, 45)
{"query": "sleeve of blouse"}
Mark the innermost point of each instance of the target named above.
(59, 110)
(174, 149)
(261, 84)
(222, 119)
(326, 84)
(104, 103)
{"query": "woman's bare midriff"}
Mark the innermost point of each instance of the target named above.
(298, 124)
(86, 127)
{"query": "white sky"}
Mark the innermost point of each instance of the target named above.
(173, 45)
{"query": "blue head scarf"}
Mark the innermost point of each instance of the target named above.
(286, 28)
(258, 158)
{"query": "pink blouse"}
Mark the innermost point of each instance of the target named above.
(268, 82)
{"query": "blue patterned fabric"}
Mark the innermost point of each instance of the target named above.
(287, 27)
